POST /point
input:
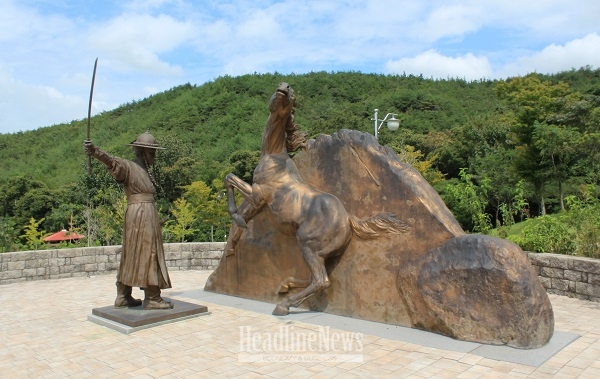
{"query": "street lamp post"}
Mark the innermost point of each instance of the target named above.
(392, 124)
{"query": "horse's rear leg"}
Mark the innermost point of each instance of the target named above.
(319, 281)
(291, 282)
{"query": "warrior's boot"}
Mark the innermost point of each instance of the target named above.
(152, 299)
(124, 298)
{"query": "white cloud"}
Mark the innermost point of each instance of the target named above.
(449, 21)
(552, 59)
(147, 46)
(546, 18)
(262, 25)
(133, 42)
(555, 58)
(21, 22)
(37, 105)
(147, 5)
(433, 64)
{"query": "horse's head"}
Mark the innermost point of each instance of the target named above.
(281, 132)
(283, 101)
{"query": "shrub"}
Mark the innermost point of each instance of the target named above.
(584, 218)
(545, 234)
(575, 231)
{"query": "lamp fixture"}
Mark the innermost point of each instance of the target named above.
(393, 123)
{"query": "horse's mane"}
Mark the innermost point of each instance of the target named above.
(295, 138)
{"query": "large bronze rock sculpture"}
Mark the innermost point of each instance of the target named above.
(381, 279)
(477, 288)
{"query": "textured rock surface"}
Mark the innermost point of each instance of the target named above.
(478, 288)
(368, 179)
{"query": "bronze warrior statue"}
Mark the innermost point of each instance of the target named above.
(142, 258)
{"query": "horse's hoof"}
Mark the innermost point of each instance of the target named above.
(280, 310)
(239, 220)
(283, 288)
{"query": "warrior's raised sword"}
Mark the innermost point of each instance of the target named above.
(89, 162)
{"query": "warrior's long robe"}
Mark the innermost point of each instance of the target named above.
(143, 257)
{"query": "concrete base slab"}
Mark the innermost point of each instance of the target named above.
(530, 357)
(129, 320)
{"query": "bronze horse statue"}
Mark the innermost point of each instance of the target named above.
(318, 220)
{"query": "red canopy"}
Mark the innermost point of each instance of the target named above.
(63, 235)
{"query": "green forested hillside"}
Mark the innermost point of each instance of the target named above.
(502, 150)
(228, 114)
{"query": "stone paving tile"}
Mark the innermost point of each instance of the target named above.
(401, 373)
(544, 372)
(596, 362)
(44, 333)
(450, 366)
(581, 361)
(522, 369)
(591, 372)
(569, 372)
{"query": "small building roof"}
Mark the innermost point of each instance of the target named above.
(63, 235)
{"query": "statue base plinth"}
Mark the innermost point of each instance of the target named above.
(129, 320)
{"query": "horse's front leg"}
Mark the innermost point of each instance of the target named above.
(231, 182)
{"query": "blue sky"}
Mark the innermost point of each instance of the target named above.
(149, 46)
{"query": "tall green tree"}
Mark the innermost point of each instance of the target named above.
(109, 219)
(243, 163)
(175, 167)
(533, 102)
(64, 216)
(211, 208)
(477, 137)
(558, 147)
(468, 202)
(13, 190)
(33, 237)
(8, 235)
(416, 158)
(37, 203)
(506, 193)
(185, 217)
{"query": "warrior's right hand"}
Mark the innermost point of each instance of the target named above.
(91, 150)
(88, 147)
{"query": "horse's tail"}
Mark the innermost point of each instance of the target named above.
(377, 226)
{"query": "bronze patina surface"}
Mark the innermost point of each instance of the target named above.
(372, 279)
(317, 219)
(142, 257)
(478, 288)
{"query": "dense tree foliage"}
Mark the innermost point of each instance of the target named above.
(519, 148)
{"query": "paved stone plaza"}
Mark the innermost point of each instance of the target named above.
(45, 333)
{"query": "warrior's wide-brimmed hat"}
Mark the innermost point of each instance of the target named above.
(146, 140)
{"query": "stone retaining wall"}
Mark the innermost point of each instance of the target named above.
(560, 274)
(568, 275)
(89, 261)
